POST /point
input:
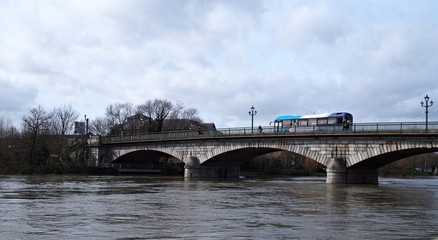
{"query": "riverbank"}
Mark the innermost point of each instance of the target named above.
(42, 169)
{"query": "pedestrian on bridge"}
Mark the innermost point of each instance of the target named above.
(260, 129)
(346, 125)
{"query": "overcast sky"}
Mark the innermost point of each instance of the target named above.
(375, 59)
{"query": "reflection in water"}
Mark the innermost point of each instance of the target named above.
(138, 207)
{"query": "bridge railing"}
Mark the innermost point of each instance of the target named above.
(396, 126)
(356, 128)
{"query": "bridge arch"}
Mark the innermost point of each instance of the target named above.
(238, 156)
(147, 161)
(380, 159)
(139, 156)
(250, 149)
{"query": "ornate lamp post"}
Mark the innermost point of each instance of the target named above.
(426, 105)
(252, 113)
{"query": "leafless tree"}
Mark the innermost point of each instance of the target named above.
(118, 113)
(63, 119)
(6, 127)
(10, 156)
(35, 123)
(191, 114)
(177, 110)
(62, 123)
(157, 110)
(100, 126)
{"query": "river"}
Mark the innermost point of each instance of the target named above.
(154, 207)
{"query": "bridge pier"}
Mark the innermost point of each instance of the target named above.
(338, 173)
(193, 170)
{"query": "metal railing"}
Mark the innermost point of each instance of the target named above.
(356, 128)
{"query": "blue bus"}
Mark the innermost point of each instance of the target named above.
(320, 122)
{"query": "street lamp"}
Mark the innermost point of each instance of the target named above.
(426, 105)
(252, 113)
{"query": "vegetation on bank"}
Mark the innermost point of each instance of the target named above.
(54, 141)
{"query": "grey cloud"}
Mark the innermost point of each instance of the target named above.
(15, 98)
(313, 23)
(222, 57)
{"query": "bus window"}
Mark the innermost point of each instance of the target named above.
(312, 122)
(287, 123)
(333, 121)
(302, 122)
(322, 121)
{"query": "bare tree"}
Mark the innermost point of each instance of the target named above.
(62, 123)
(157, 110)
(191, 114)
(117, 115)
(6, 127)
(177, 110)
(63, 119)
(10, 155)
(100, 126)
(35, 123)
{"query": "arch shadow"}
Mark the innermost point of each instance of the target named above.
(148, 161)
(238, 156)
(379, 161)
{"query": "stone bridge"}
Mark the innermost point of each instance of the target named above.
(350, 157)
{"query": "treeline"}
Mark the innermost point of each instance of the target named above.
(49, 141)
(150, 116)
